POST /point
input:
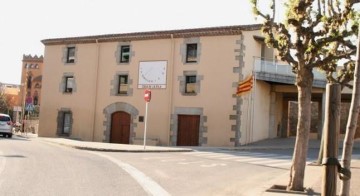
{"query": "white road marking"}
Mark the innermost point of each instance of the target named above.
(269, 161)
(146, 182)
(191, 162)
(218, 156)
(229, 158)
(253, 159)
(149, 158)
(279, 164)
(213, 165)
(195, 152)
(265, 159)
(172, 160)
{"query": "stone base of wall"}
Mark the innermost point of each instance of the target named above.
(345, 107)
(149, 141)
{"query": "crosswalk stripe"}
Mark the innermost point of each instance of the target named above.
(266, 159)
(218, 156)
(253, 159)
(279, 164)
(269, 161)
(229, 158)
(247, 155)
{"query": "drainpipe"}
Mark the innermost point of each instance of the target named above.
(96, 86)
(171, 72)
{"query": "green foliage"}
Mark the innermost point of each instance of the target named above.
(315, 34)
(4, 106)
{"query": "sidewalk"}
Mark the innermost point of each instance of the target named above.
(313, 174)
(101, 146)
(268, 144)
(313, 181)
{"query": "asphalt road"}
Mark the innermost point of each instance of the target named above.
(33, 167)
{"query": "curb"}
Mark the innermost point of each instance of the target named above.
(127, 150)
(104, 149)
(136, 148)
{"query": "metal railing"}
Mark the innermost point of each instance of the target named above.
(274, 67)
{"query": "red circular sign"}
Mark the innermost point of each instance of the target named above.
(147, 95)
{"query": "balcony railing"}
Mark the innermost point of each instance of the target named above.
(274, 67)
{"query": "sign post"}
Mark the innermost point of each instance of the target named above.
(147, 97)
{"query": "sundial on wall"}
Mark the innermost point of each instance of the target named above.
(152, 74)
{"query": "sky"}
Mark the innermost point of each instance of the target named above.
(24, 23)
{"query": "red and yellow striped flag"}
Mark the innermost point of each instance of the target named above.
(245, 85)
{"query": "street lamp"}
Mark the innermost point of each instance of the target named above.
(22, 106)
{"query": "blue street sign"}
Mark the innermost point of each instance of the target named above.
(29, 107)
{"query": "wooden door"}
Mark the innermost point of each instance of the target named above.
(188, 130)
(120, 128)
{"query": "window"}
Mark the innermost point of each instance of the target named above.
(36, 100)
(125, 54)
(190, 86)
(66, 124)
(190, 83)
(123, 84)
(5, 119)
(70, 56)
(69, 84)
(191, 53)
(28, 82)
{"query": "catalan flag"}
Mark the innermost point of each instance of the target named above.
(245, 85)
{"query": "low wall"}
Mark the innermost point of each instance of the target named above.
(31, 126)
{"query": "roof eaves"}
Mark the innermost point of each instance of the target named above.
(183, 33)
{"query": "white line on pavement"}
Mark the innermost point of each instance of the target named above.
(279, 164)
(269, 161)
(190, 162)
(146, 182)
(172, 160)
(213, 165)
(150, 158)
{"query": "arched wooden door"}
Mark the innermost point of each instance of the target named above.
(120, 128)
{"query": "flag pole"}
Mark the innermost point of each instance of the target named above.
(253, 93)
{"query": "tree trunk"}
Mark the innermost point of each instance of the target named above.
(304, 82)
(351, 124)
(321, 150)
(331, 135)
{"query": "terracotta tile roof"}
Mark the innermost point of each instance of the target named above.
(183, 33)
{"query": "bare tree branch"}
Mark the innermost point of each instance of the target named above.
(354, 1)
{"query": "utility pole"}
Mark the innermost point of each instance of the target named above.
(331, 134)
(23, 99)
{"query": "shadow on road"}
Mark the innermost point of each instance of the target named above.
(13, 156)
(15, 138)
